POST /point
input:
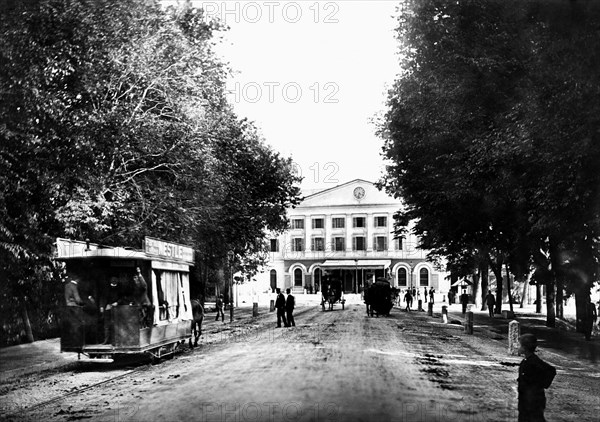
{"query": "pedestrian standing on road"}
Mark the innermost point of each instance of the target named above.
(450, 297)
(534, 376)
(290, 303)
(425, 293)
(366, 297)
(464, 300)
(280, 306)
(490, 301)
(589, 319)
(431, 293)
(408, 299)
(220, 312)
(414, 292)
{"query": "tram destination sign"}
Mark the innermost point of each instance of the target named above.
(168, 250)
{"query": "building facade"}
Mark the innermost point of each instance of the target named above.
(346, 232)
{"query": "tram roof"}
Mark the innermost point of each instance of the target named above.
(67, 249)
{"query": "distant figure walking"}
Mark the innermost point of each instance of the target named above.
(280, 306)
(490, 301)
(431, 292)
(290, 303)
(535, 375)
(220, 308)
(408, 299)
(425, 293)
(464, 300)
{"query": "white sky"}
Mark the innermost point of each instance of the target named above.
(337, 59)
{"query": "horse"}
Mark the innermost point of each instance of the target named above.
(197, 317)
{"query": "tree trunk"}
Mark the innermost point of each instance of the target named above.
(560, 301)
(550, 308)
(484, 268)
(538, 299)
(497, 270)
(476, 279)
(509, 290)
(524, 296)
(581, 299)
(27, 324)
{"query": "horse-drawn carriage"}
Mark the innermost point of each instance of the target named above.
(378, 298)
(332, 293)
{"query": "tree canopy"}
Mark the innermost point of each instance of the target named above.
(492, 137)
(114, 125)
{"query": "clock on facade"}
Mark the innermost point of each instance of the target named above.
(359, 193)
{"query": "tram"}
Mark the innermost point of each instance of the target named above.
(121, 301)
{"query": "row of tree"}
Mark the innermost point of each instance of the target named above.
(492, 137)
(114, 125)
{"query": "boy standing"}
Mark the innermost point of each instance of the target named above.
(534, 376)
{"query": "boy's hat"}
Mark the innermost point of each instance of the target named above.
(529, 341)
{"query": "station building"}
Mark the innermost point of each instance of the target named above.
(346, 232)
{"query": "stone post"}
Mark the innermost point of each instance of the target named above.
(430, 309)
(255, 309)
(469, 323)
(445, 314)
(272, 307)
(514, 332)
(421, 305)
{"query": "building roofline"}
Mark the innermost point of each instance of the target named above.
(335, 187)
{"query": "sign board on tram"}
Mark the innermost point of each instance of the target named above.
(164, 249)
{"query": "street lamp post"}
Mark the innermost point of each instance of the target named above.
(356, 276)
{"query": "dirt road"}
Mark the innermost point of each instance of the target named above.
(333, 366)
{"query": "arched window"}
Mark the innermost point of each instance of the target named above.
(298, 277)
(402, 277)
(424, 277)
(273, 280)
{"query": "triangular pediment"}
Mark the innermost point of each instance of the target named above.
(355, 192)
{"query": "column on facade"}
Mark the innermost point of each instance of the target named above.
(370, 232)
(328, 232)
(391, 240)
(307, 233)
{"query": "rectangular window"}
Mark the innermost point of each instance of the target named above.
(338, 222)
(318, 244)
(380, 243)
(380, 221)
(359, 243)
(339, 244)
(274, 245)
(298, 223)
(318, 223)
(399, 243)
(297, 244)
(359, 221)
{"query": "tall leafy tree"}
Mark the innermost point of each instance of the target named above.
(114, 125)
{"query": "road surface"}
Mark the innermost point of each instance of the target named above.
(336, 365)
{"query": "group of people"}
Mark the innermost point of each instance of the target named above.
(285, 308)
(415, 294)
(117, 292)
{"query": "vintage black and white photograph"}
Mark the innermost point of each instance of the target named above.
(300, 211)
